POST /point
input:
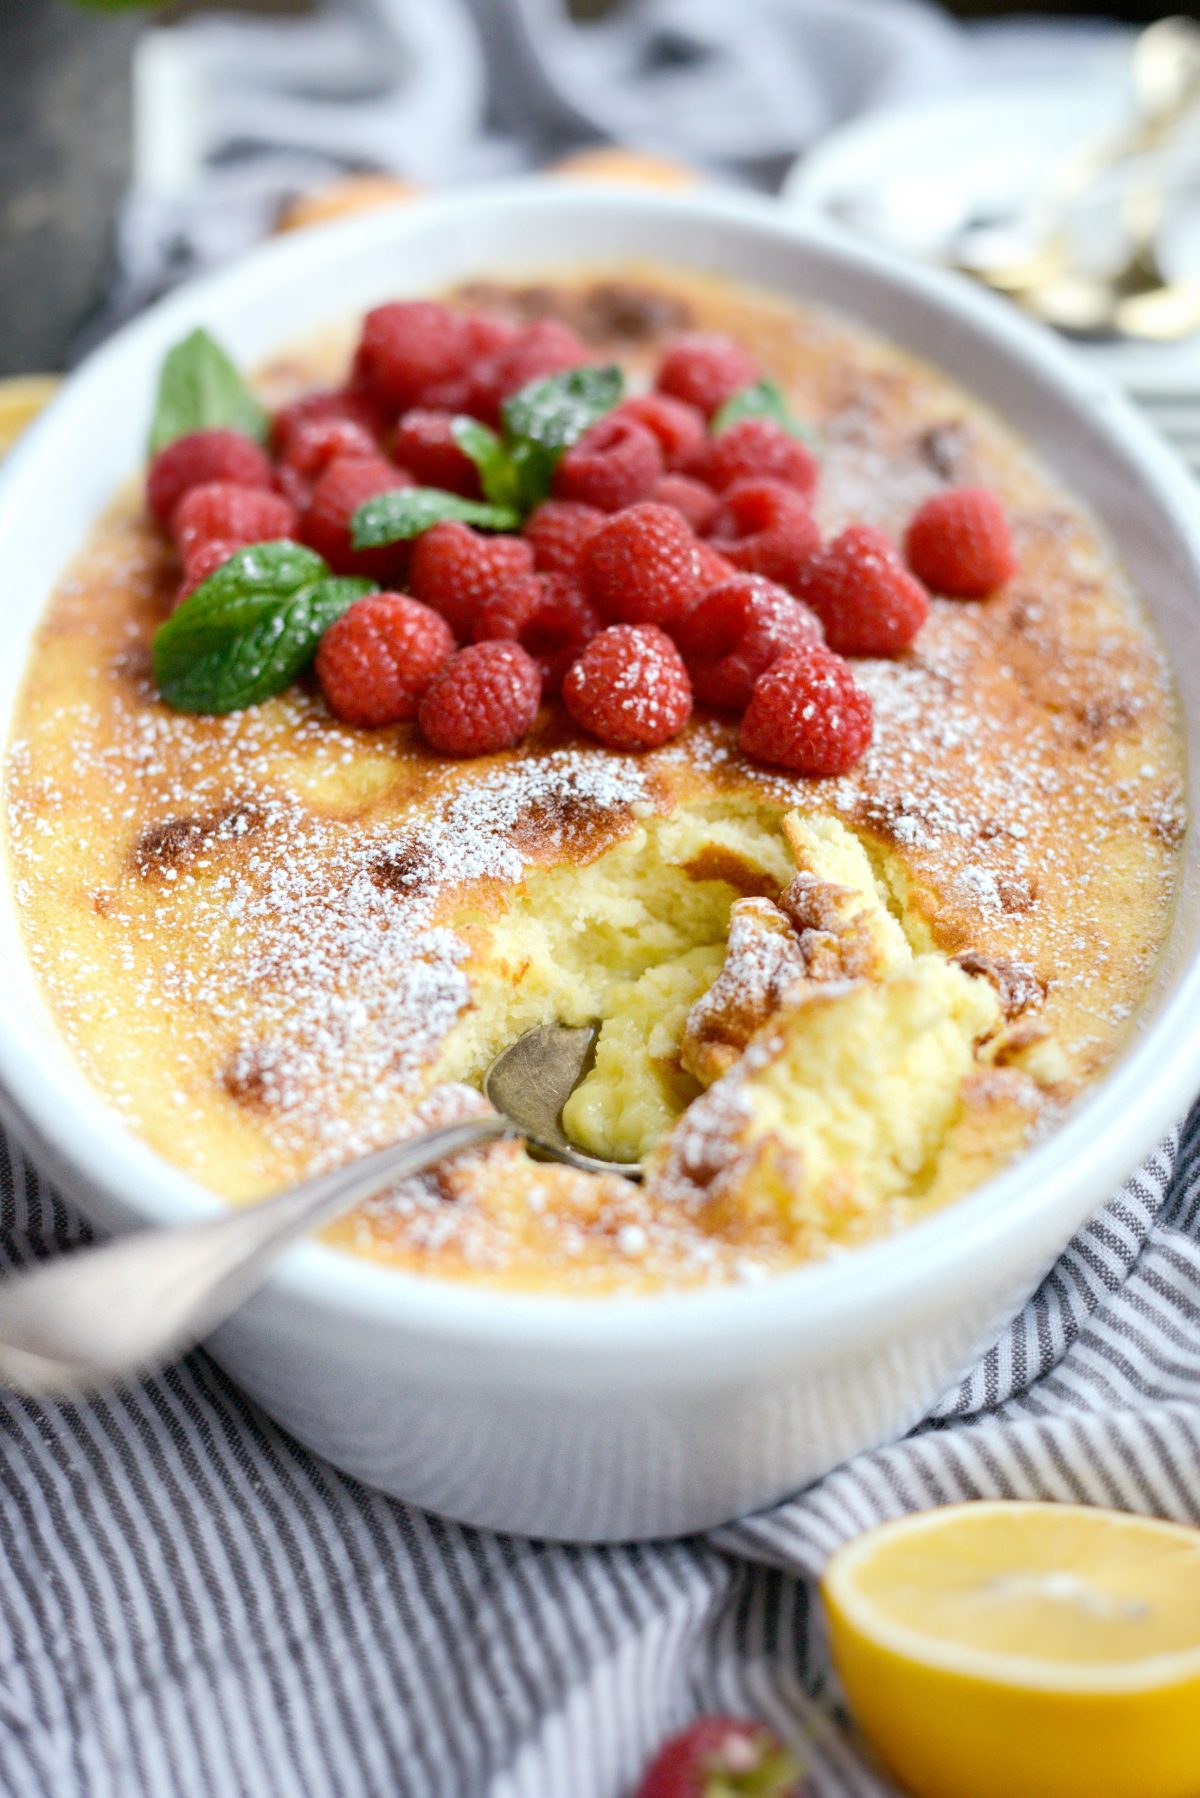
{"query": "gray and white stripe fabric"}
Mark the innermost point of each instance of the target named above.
(192, 1604)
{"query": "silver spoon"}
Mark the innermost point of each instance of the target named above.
(105, 1314)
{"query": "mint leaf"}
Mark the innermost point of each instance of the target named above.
(249, 629)
(491, 456)
(391, 517)
(515, 470)
(540, 421)
(762, 400)
(199, 389)
(556, 410)
(534, 466)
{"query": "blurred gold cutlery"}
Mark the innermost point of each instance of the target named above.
(1136, 297)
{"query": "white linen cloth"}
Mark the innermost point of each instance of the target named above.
(195, 1606)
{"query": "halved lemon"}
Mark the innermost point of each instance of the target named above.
(1008, 1650)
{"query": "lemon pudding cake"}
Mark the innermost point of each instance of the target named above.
(634, 648)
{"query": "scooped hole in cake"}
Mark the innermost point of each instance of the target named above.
(726, 928)
(633, 938)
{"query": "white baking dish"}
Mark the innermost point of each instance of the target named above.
(609, 1419)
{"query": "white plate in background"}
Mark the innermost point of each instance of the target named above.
(907, 177)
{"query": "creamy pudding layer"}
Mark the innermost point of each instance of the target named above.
(274, 941)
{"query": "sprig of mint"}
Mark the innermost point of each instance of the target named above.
(763, 399)
(546, 417)
(516, 468)
(407, 511)
(555, 411)
(199, 389)
(492, 457)
(250, 628)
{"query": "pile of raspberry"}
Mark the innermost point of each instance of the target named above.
(671, 565)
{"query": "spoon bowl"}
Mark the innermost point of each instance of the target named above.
(532, 1080)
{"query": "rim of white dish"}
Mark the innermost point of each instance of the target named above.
(851, 1295)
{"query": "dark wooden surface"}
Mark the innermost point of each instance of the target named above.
(64, 154)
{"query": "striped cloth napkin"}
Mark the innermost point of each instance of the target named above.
(194, 1605)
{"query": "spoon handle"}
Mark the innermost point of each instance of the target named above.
(103, 1314)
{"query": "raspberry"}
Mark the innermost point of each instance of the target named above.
(757, 449)
(205, 558)
(705, 369)
(198, 459)
(294, 488)
(713, 567)
(424, 444)
(485, 698)
(376, 660)
(630, 688)
(736, 632)
(547, 615)
(557, 532)
(313, 443)
(455, 570)
(808, 713)
(864, 596)
(239, 515)
(751, 506)
(643, 566)
(544, 348)
(406, 346)
(766, 528)
(691, 499)
(326, 403)
(679, 428)
(201, 554)
(959, 543)
(326, 524)
(486, 334)
(722, 1755)
(613, 465)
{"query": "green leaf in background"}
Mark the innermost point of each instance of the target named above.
(555, 411)
(393, 517)
(199, 389)
(115, 5)
(533, 468)
(762, 400)
(491, 456)
(249, 629)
